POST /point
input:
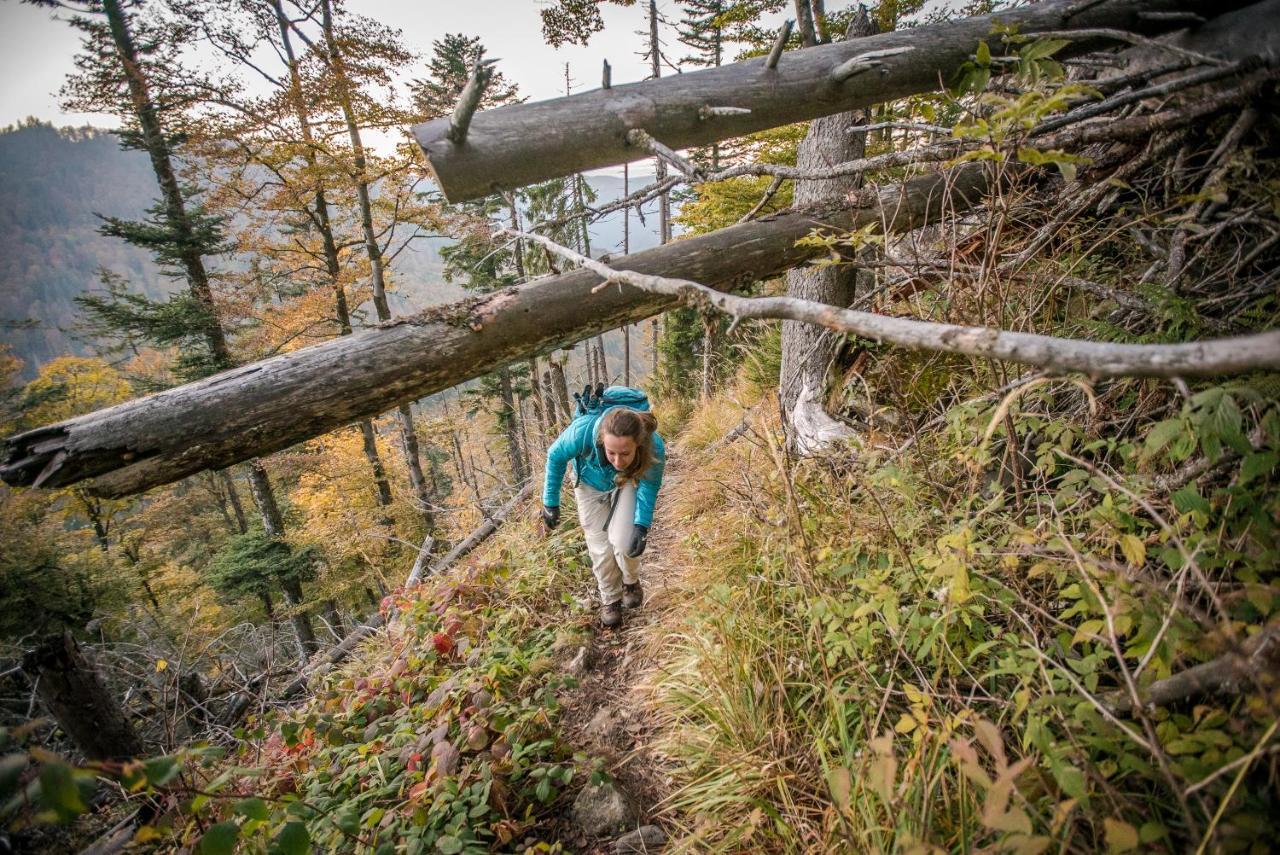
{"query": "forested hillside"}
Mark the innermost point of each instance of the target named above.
(54, 182)
(945, 517)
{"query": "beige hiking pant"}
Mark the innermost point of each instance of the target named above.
(609, 538)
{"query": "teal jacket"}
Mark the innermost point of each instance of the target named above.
(581, 444)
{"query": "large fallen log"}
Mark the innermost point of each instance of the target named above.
(266, 406)
(520, 144)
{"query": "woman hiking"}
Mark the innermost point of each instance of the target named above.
(618, 459)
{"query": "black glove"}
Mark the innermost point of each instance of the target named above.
(639, 539)
(551, 516)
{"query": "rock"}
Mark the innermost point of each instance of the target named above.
(578, 664)
(645, 840)
(603, 727)
(603, 809)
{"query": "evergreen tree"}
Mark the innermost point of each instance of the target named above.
(453, 59)
(131, 66)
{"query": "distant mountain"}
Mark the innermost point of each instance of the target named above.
(53, 184)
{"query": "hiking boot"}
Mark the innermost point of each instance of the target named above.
(611, 614)
(632, 596)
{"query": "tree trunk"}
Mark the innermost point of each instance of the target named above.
(808, 351)
(75, 695)
(709, 326)
(370, 442)
(229, 484)
(332, 617)
(273, 524)
(561, 386)
(521, 144)
(324, 226)
(269, 405)
(604, 363)
(509, 427)
(360, 178)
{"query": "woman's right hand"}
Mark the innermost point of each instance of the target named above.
(551, 517)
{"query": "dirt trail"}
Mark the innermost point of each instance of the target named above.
(602, 716)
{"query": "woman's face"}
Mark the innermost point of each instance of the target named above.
(620, 450)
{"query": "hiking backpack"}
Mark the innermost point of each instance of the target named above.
(593, 401)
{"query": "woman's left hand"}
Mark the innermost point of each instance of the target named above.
(639, 539)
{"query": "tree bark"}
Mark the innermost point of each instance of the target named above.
(509, 427)
(520, 144)
(229, 484)
(269, 405)
(561, 385)
(808, 351)
(75, 695)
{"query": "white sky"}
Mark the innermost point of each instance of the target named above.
(36, 51)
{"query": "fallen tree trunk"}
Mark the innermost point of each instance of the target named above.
(263, 407)
(520, 144)
(477, 537)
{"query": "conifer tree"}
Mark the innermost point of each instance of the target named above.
(141, 80)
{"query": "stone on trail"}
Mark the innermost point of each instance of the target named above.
(645, 840)
(603, 809)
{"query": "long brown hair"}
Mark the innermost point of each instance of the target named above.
(626, 422)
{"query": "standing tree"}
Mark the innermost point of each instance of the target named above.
(808, 352)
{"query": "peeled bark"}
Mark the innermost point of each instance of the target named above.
(259, 408)
(520, 144)
(71, 690)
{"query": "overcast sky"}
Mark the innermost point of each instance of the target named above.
(36, 51)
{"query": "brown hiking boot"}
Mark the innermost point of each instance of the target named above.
(632, 596)
(611, 614)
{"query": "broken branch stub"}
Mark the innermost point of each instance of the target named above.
(519, 144)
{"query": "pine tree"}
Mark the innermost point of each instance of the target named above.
(130, 66)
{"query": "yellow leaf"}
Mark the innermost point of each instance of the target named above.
(989, 735)
(1135, 551)
(1121, 836)
(162, 664)
(145, 834)
(838, 780)
(906, 724)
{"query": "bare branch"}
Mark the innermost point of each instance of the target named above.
(1098, 359)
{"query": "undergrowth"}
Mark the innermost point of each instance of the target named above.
(931, 650)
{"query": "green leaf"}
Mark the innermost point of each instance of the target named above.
(59, 792)
(252, 808)
(161, 770)
(449, 845)
(1161, 435)
(219, 839)
(1256, 464)
(293, 839)
(1072, 781)
(983, 55)
(1042, 49)
(1188, 499)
